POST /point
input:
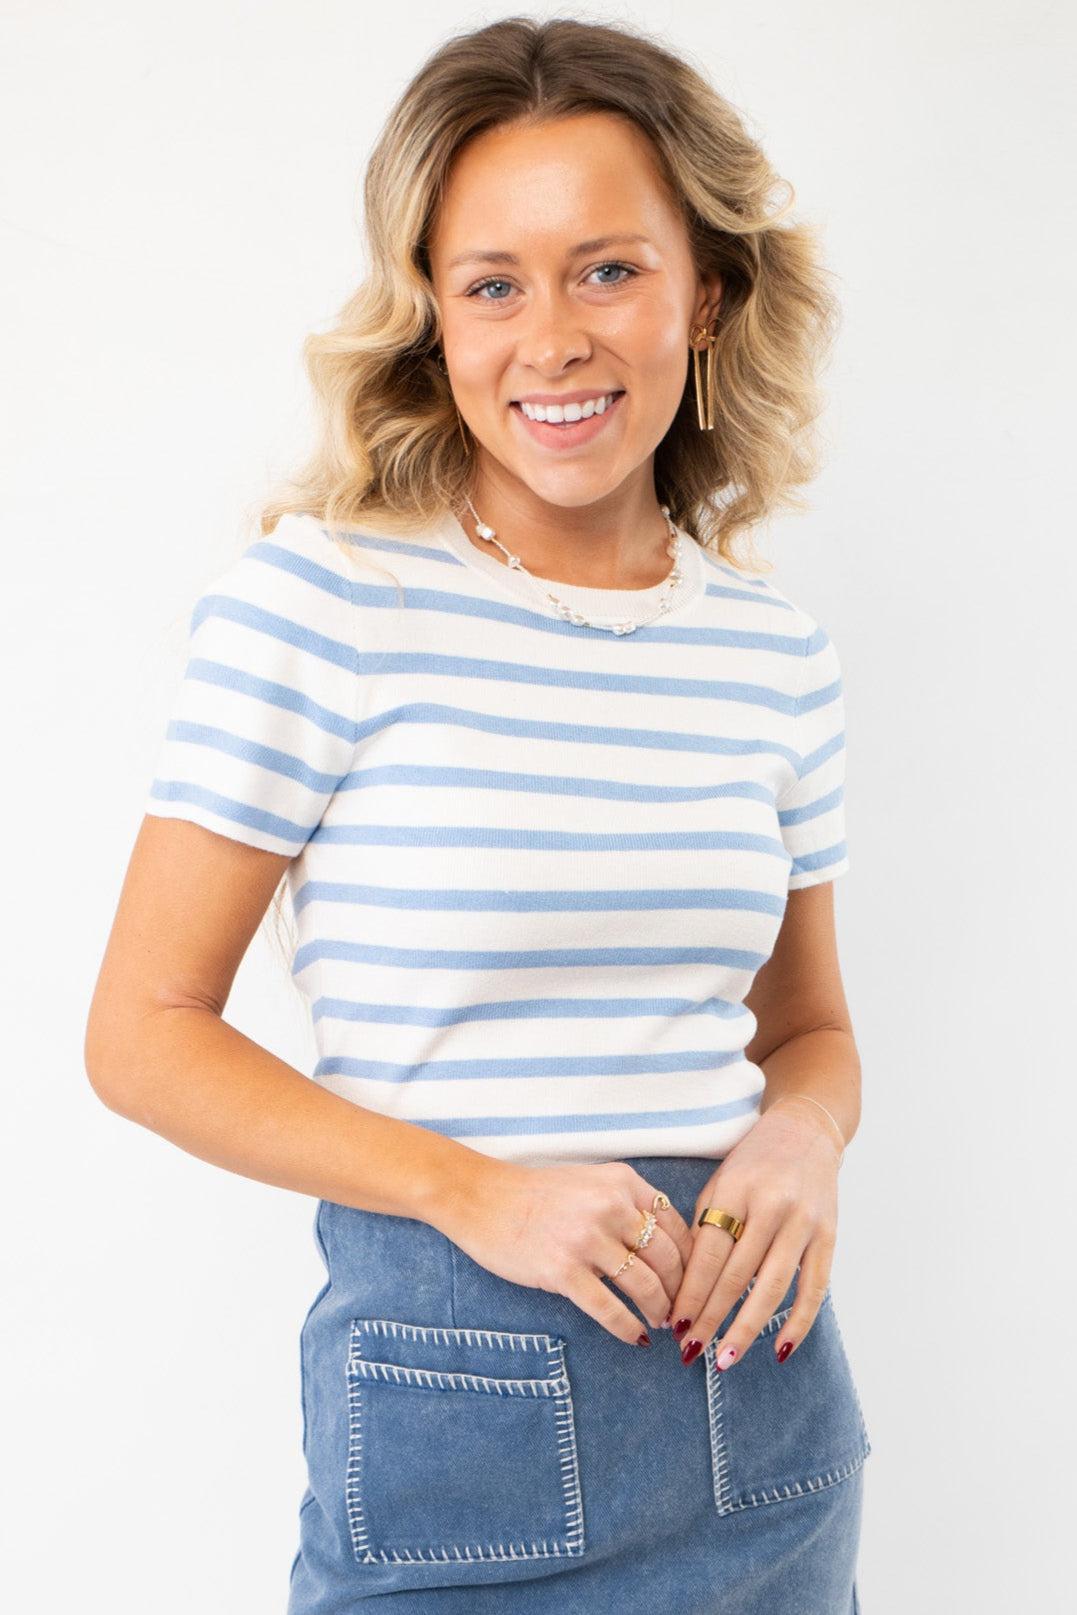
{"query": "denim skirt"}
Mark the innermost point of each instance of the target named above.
(474, 1445)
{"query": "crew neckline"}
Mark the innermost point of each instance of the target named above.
(603, 605)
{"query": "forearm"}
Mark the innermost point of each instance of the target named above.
(825, 1065)
(189, 1076)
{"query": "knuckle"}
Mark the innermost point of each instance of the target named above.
(609, 1313)
(619, 1321)
(612, 1318)
(710, 1254)
(564, 1267)
(624, 1324)
(760, 1194)
(740, 1337)
(770, 1300)
(702, 1329)
(799, 1325)
(811, 1294)
(735, 1277)
(650, 1294)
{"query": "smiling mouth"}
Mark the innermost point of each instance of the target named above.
(614, 398)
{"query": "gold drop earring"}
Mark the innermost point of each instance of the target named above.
(704, 409)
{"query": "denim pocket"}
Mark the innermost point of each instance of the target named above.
(779, 1430)
(461, 1447)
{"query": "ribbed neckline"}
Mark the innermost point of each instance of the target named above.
(603, 605)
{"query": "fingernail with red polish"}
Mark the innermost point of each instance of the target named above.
(644, 1339)
(691, 1352)
(784, 1350)
(726, 1358)
(679, 1328)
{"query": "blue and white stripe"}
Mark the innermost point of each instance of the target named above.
(534, 867)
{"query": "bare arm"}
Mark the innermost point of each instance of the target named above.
(158, 1051)
(804, 1039)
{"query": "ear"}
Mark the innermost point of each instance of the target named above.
(708, 298)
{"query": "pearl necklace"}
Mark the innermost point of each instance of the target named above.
(567, 611)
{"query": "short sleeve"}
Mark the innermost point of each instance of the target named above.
(811, 811)
(262, 728)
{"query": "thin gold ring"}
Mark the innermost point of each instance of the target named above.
(661, 1202)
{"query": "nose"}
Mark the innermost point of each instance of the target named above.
(552, 340)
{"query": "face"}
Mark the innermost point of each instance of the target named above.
(526, 309)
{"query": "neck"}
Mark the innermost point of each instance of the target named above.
(565, 545)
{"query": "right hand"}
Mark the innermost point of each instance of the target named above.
(561, 1227)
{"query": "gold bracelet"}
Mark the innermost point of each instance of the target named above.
(823, 1108)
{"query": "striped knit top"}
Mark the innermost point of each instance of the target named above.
(534, 866)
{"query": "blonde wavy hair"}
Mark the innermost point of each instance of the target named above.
(388, 453)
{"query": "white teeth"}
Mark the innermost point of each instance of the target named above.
(563, 413)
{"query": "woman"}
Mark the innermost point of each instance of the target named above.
(558, 803)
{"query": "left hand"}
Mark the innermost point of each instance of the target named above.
(781, 1179)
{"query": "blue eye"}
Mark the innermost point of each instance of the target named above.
(482, 285)
(498, 280)
(627, 269)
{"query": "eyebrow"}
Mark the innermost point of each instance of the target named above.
(596, 244)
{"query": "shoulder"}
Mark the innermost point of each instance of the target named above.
(363, 562)
(284, 600)
(819, 682)
(301, 548)
(768, 607)
(296, 570)
(814, 638)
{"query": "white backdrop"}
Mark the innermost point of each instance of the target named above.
(178, 206)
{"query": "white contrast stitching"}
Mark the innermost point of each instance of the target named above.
(450, 1336)
(725, 1502)
(554, 1384)
(455, 1380)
